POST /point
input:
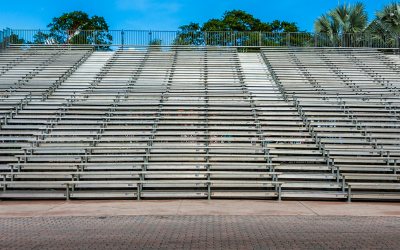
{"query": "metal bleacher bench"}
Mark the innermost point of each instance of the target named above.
(198, 122)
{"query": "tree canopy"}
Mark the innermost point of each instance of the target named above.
(15, 39)
(78, 20)
(343, 19)
(238, 20)
(347, 25)
(236, 24)
(385, 28)
(78, 28)
(389, 17)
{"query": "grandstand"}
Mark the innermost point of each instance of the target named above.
(199, 122)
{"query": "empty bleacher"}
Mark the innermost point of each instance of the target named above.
(200, 122)
(348, 99)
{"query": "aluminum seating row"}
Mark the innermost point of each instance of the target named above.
(143, 189)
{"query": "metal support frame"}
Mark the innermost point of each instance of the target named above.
(209, 191)
(279, 192)
(139, 190)
(343, 183)
(349, 194)
(67, 191)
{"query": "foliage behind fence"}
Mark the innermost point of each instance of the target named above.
(104, 38)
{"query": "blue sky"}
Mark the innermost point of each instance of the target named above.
(165, 15)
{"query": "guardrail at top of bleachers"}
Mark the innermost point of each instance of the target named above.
(239, 39)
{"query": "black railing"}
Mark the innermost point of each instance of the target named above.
(105, 38)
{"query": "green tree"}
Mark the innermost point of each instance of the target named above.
(389, 17)
(233, 29)
(339, 25)
(155, 45)
(236, 20)
(15, 39)
(78, 28)
(385, 28)
(190, 34)
(343, 19)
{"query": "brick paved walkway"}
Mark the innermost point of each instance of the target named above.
(200, 232)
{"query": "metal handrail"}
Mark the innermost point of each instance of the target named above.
(198, 38)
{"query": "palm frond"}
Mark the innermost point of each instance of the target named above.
(375, 27)
(358, 18)
(323, 25)
(389, 17)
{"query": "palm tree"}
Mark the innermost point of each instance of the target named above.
(343, 19)
(385, 28)
(389, 17)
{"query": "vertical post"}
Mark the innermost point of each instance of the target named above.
(208, 191)
(343, 183)
(73, 186)
(205, 38)
(67, 36)
(150, 38)
(369, 40)
(260, 38)
(138, 191)
(10, 33)
(287, 39)
(4, 185)
(397, 41)
(67, 194)
(337, 174)
(279, 192)
(122, 38)
(40, 37)
(349, 194)
(315, 39)
(327, 161)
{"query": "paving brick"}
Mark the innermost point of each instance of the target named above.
(201, 232)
